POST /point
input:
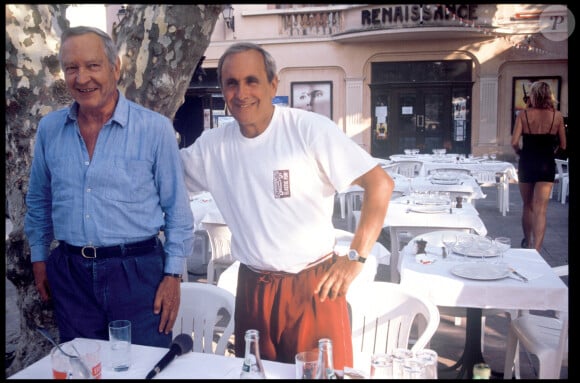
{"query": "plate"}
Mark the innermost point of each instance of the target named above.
(429, 209)
(432, 201)
(473, 251)
(445, 182)
(481, 271)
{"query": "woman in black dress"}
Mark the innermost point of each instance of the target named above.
(539, 127)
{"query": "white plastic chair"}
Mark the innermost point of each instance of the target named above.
(353, 201)
(501, 181)
(563, 177)
(203, 308)
(220, 238)
(543, 336)
(382, 317)
(454, 171)
(409, 169)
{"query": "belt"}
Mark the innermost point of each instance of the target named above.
(91, 252)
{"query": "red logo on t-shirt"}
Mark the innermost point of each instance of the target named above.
(281, 183)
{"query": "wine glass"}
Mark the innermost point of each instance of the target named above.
(502, 244)
(493, 156)
(449, 240)
(465, 244)
(483, 245)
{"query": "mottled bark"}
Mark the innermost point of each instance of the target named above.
(160, 46)
(160, 51)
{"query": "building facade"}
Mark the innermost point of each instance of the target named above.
(397, 76)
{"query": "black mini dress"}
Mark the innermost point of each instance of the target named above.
(536, 163)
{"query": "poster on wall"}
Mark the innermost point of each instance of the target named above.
(459, 108)
(521, 92)
(314, 96)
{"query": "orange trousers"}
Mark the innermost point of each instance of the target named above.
(289, 316)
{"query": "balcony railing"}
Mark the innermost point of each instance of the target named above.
(323, 23)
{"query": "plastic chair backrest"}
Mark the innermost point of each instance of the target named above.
(409, 168)
(451, 170)
(203, 311)
(382, 318)
(562, 167)
(220, 238)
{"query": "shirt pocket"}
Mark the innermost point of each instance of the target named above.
(64, 178)
(130, 180)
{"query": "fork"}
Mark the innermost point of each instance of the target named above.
(514, 272)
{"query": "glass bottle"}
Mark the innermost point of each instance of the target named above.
(252, 367)
(325, 363)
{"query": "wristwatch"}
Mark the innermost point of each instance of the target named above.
(354, 256)
(173, 275)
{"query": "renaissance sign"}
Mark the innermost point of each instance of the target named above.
(415, 13)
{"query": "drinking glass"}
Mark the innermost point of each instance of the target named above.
(483, 245)
(464, 244)
(502, 244)
(399, 357)
(120, 344)
(449, 240)
(382, 366)
(493, 156)
(429, 358)
(307, 364)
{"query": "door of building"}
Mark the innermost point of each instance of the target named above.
(420, 105)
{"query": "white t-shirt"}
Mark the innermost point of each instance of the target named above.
(276, 191)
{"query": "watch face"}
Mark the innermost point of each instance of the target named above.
(352, 255)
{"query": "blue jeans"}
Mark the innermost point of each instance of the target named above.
(89, 293)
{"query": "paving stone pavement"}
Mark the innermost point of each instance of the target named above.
(449, 339)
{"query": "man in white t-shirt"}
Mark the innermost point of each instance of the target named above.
(273, 173)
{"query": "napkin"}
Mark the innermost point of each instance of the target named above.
(425, 259)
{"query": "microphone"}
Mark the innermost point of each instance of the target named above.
(181, 344)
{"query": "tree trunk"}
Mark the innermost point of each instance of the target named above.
(160, 46)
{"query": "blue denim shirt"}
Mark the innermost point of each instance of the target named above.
(131, 188)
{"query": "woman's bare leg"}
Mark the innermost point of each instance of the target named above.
(540, 207)
(527, 193)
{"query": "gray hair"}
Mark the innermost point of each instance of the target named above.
(110, 47)
(269, 62)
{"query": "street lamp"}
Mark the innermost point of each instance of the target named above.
(121, 12)
(228, 14)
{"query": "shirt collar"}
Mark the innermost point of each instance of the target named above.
(120, 115)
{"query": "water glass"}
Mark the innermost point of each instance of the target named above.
(449, 240)
(502, 244)
(306, 364)
(399, 357)
(120, 343)
(382, 366)
(464, 244)
(414, 368)
(89, 352)
(483, 246)
(429, 359)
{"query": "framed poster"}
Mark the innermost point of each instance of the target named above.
(521, 91)
(314, 96)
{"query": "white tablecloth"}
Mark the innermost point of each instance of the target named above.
(400, 219)
(544, 291)
(191, 365)
(431, 162)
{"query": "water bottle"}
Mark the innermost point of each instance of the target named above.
(252, 367)
(325, 363)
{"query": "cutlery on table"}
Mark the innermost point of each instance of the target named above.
(514, 272)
